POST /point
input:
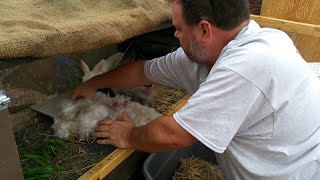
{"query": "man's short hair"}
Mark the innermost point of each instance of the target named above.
(225, 14)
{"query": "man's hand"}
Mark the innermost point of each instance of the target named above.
(84, 90)
(115, 132)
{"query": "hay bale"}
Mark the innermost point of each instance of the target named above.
(196, 169)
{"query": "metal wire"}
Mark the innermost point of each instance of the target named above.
(80, 155)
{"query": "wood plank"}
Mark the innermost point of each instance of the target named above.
(105, 166)
(286, 25)
(306, 11)
(10, 167)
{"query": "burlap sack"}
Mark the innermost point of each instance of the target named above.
(42, 28)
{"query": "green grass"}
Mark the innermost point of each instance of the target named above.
(37, 160)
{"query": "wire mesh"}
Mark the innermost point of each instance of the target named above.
(81, 155)
(316, 68)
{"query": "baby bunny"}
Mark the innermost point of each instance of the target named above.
(81, 116)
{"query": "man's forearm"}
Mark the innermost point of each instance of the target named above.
(124, 77)
(162, 134)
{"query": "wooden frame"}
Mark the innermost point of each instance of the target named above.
(10, 167)
(285, 25)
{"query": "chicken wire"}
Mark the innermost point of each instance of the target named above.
(316, 68)
(32, 81)
(82, 154)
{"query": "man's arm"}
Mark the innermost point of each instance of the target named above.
(162, 134)
(123, 77)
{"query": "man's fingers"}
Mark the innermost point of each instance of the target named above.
(101, 128)
(101, 134)
(83, 90)
(74, 95)
(125, 117)
(104, 141)
(105, 122)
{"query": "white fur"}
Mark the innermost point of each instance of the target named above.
(141, 94)
(81, 117)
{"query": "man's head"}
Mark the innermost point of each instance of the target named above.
(225, 14)
(199, 21)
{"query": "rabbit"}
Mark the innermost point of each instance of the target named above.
(101, 67)
(81, 116)
(70, 119)
(140, 94)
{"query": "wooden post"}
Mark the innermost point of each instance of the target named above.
(10, 167)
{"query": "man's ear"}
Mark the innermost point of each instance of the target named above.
(205, 31)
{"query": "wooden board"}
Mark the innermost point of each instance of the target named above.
(255, 6)
(290, 26)
(49, 106)
(10, 167)
(305, 11)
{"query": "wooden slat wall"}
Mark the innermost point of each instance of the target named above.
(255, 6)
(306, 11)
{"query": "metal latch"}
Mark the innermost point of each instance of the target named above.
(4, 100)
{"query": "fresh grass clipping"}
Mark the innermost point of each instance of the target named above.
(37, 159)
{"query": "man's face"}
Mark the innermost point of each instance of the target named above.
(187, 39)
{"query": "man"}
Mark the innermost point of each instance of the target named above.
(254, 100)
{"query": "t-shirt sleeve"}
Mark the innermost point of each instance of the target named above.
(216, 111)
(167, 69)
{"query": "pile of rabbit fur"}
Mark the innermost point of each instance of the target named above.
(80, 117)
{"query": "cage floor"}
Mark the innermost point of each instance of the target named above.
(81, 155)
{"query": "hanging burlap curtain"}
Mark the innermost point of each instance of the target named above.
(42, 28)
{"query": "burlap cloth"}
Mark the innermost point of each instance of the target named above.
(42, 28)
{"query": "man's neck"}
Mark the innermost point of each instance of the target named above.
(222, 39)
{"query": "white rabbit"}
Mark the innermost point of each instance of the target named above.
(101, 67)
(140, 94)
(81, 116)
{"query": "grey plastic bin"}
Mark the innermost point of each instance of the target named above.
(161, 166)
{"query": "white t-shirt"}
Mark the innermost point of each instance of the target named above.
(258, 107)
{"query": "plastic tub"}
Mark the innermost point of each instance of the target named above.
(160, 166)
